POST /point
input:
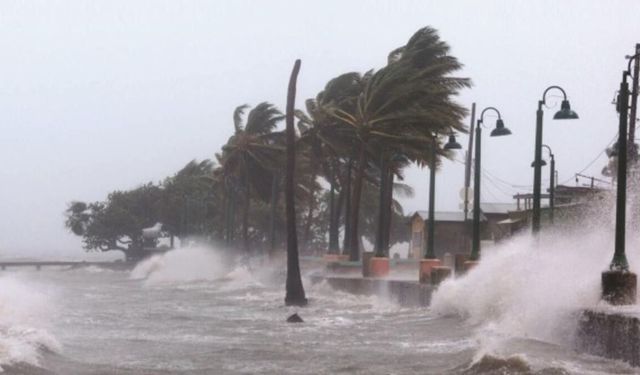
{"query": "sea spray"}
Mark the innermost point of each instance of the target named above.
(526, 288)
(24, 318)
(191, 264)
(181, 265)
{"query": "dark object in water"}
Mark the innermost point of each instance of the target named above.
(295, 318)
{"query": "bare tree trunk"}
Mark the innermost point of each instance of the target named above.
(382, 211)
(272, 219)
(354, 254)
(307, 224)
(245, 215)
(334, 220)
(347, 212)
(232, 218)
(389, 213)
(294, 289)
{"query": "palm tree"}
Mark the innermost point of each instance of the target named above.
(402, 105)
(322, 148)
(294, 289)
(250, 156)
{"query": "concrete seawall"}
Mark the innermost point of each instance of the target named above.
(610, 334)
(403, 292)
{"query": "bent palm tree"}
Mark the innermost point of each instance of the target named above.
(402, 105)
(251, 155)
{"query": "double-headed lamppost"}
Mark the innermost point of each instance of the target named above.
(499, 130)
(565, 113)
(618, 284)
(552, 178)
(430, 260)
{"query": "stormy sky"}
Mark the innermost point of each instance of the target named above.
(104, 95)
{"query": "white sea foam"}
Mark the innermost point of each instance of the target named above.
(193, 264)
(525, 289)
(181, 265)
(240, 277)
(24, 314)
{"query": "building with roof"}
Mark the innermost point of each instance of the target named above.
(453, 232)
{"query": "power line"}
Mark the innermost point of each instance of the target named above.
(592, 161)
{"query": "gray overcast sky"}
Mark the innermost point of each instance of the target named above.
(104, 95)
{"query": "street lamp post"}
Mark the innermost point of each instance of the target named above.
(552, 175)
(565, 113)
(618, 284)
(430, 260)
(552, 182)
(499, 130)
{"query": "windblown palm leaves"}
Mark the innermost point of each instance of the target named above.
(399, 108)
(250, 156)
(361, 129)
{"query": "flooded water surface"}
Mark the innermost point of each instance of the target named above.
(167, 318)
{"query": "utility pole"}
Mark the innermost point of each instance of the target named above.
(467, 165)
(467, 172)
(632, 152)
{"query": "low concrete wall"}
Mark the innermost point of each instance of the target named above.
(397, 265)
(404, 293)
(610, 334)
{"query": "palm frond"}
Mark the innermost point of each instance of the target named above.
(237, 117)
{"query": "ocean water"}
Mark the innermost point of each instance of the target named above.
(193, 312)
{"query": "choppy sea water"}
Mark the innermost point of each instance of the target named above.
(189, 313)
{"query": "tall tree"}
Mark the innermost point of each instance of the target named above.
(250, 157)
(406, 103)
(294, 289)
(190, 201)
(117, 223)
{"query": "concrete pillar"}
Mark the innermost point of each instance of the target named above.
(449, 261)
(424, 271)
(619, 288)
(331, 258)
(379, 266)
(439, 274)
(366, 268)
(459, 262)
(470, 264)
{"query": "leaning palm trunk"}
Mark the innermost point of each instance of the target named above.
(294, 289)
(354, 253)
(272, 218)
(334, 220)
(380, 248)
(228, 214)
(309, 220)
(347, 212)
(232, 219)
(311, 204)
(245, 216)
(386, 240)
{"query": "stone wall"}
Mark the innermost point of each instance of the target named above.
(404, 293)
(608, 334)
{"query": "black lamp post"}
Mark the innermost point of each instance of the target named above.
(552, 183)
(499, 130)
(618, 284)
(451, 145)
(552, 177)
(565, 113)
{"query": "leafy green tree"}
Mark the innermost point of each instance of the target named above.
(117, 223)
(190, 202)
